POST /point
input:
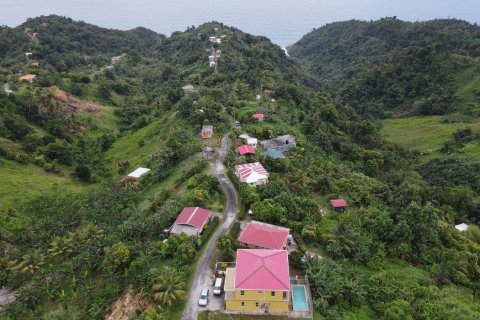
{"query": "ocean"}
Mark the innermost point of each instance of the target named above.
(283, 21)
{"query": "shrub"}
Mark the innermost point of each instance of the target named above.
(116, 256)
(22, 158)
(211, 227)
(82, 172)
(235, 230)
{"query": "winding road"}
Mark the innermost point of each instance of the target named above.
(203, 272)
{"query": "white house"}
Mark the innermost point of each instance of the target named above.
(252, 142)
(462, 227)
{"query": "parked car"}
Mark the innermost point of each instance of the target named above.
(203, 301)
(218, 287)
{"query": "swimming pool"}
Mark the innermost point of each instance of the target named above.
(299, 298)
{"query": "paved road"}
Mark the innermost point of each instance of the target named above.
(6, 296)
(203, 273)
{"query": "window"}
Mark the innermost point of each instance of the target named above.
(259, 291)
(256, 304)
(242, 293)
(243, 304)
(273, 293)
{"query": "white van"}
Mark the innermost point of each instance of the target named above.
(217, 288)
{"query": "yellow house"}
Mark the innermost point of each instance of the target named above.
(260, 282)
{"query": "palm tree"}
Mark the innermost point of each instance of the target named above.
(340, 235)
(154, 314)
(60, 246)
(31, 262)
(168, 286)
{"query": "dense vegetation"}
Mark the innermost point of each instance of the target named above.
(71, 252)
(389, 65)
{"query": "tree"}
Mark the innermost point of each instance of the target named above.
(339, 240)
(83, 172)
(168, 286)
(116, 256)
(225, 245)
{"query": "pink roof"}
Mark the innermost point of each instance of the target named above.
(259, 116)
(338, 203)
(28, 77)
(262, 270)
(193, 216)
(264, 235)
(251, 172)
(246, 149)
(267, 91)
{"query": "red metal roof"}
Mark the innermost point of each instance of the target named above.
(262, 270)
(193, 216)
(28, 77)
(245, 149)
(258, 116)
(338, 203)
(251, 172)
(264, 235)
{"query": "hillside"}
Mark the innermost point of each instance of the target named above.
(79, 239)
(394, 67)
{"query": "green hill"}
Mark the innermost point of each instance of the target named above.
(391, 66)
(76, 239)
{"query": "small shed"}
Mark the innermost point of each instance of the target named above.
(34, 63)
(136, 174)
(189, 88)
(28, 77)
(246, 149)
(462, 227)
(207, 131)
(259, 117)
(208, 153)
(338, 205)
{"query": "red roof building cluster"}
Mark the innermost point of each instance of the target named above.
(246, 149)
(263, 235)
(262, 270)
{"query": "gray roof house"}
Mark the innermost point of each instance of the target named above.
(280, 143)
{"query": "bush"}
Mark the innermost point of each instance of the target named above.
(82, 172)
(116, 256)
(22, 158)
(235, 230)
(210, 229)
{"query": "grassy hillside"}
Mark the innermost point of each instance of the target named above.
(23, 182)
(429, 133)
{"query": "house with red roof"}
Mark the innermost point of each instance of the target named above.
(259, 117)
(338, 205)
(252, 173)
(259, 283)
(259, 235)
(192, 221)
(34, 63)
(246, 149)
(28, 77)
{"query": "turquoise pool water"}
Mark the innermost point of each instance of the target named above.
(299, 298)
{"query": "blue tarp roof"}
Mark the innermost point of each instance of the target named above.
(274, 154)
